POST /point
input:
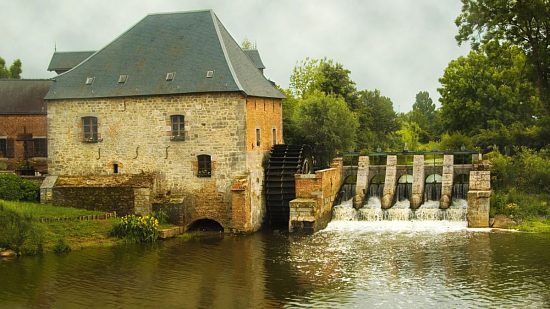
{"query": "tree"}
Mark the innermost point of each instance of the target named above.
(378, 122)
(424, 114)
(14, 71)
(488, 86)
(325, 75)
(326, 123)
(525, 23)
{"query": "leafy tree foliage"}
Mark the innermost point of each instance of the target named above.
(488, 89)
(326, 123)
(14, 71)
(525, 23)
(378, 121)
(425, 115)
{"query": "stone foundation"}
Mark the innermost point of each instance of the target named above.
(479, 199)
(315, 193)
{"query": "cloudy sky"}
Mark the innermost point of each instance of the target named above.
(397, 46)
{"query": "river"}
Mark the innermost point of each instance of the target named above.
(350, 264)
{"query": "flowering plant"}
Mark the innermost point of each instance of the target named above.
(138, 229)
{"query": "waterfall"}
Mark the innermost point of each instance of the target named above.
(345, 211)
(372, 211)
(460, 190)
(400, 211)
(432, 192)
(376, 190)
(429, 211)
(403, 191)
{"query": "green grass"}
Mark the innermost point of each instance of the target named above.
(78, 234)
(535, 226)
(37, 211)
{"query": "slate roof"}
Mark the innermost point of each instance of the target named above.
(23, 96)
(64, 61)
(187, 43)
(254, 55)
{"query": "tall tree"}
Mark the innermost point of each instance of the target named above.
(326, 123)
(424, 114)
(525, 23)
(487, 89)
(14, 71)
(325, 75)
(378, 122)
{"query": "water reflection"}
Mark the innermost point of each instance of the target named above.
(347, 267)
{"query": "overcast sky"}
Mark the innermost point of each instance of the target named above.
(397, 46)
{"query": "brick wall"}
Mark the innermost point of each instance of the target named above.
(11, 125)
(315, 194)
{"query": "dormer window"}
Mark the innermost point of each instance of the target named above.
(122, 79)
(170, 76)
(209, 74)
(90, 80)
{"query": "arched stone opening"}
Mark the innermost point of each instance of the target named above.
(461, 185)
(205, 225)
(432, 188)
(404, 188)
(376, 186)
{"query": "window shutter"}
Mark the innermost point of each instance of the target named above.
(10, 148)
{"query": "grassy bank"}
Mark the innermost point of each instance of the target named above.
(530, 211)
(22, 231)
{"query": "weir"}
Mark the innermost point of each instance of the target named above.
(411, 186)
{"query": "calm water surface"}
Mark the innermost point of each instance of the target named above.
(350, 264)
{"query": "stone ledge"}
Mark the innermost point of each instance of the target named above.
(170, 232)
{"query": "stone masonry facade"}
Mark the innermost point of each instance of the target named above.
(135, 138)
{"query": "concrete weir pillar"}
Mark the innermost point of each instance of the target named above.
(417, 196)
(447, 182)
(390, 182)
(362, 181)
(479, 199)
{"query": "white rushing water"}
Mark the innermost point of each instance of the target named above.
(400, 216)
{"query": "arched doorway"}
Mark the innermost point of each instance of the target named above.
(205, 225)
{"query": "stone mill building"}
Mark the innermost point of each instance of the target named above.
(172, 112)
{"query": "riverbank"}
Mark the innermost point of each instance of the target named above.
(32, 228)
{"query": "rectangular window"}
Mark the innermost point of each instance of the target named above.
(40, 146)
(258, 137)
(205, 166)
(274, 136)
(178, 127)
(3, 148)
(89, 129)
(7, 147)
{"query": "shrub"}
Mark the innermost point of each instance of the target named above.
(520, 205)
(18, 233)
(61, 247)
(137, 229)
(13, 187)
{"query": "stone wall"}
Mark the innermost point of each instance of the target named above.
(362, 183)
(10, 126)
(315, 193)
(135, 134)
(419, 179)
(447, 179)
(125, 194)
(479, 199)
(390, 181)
